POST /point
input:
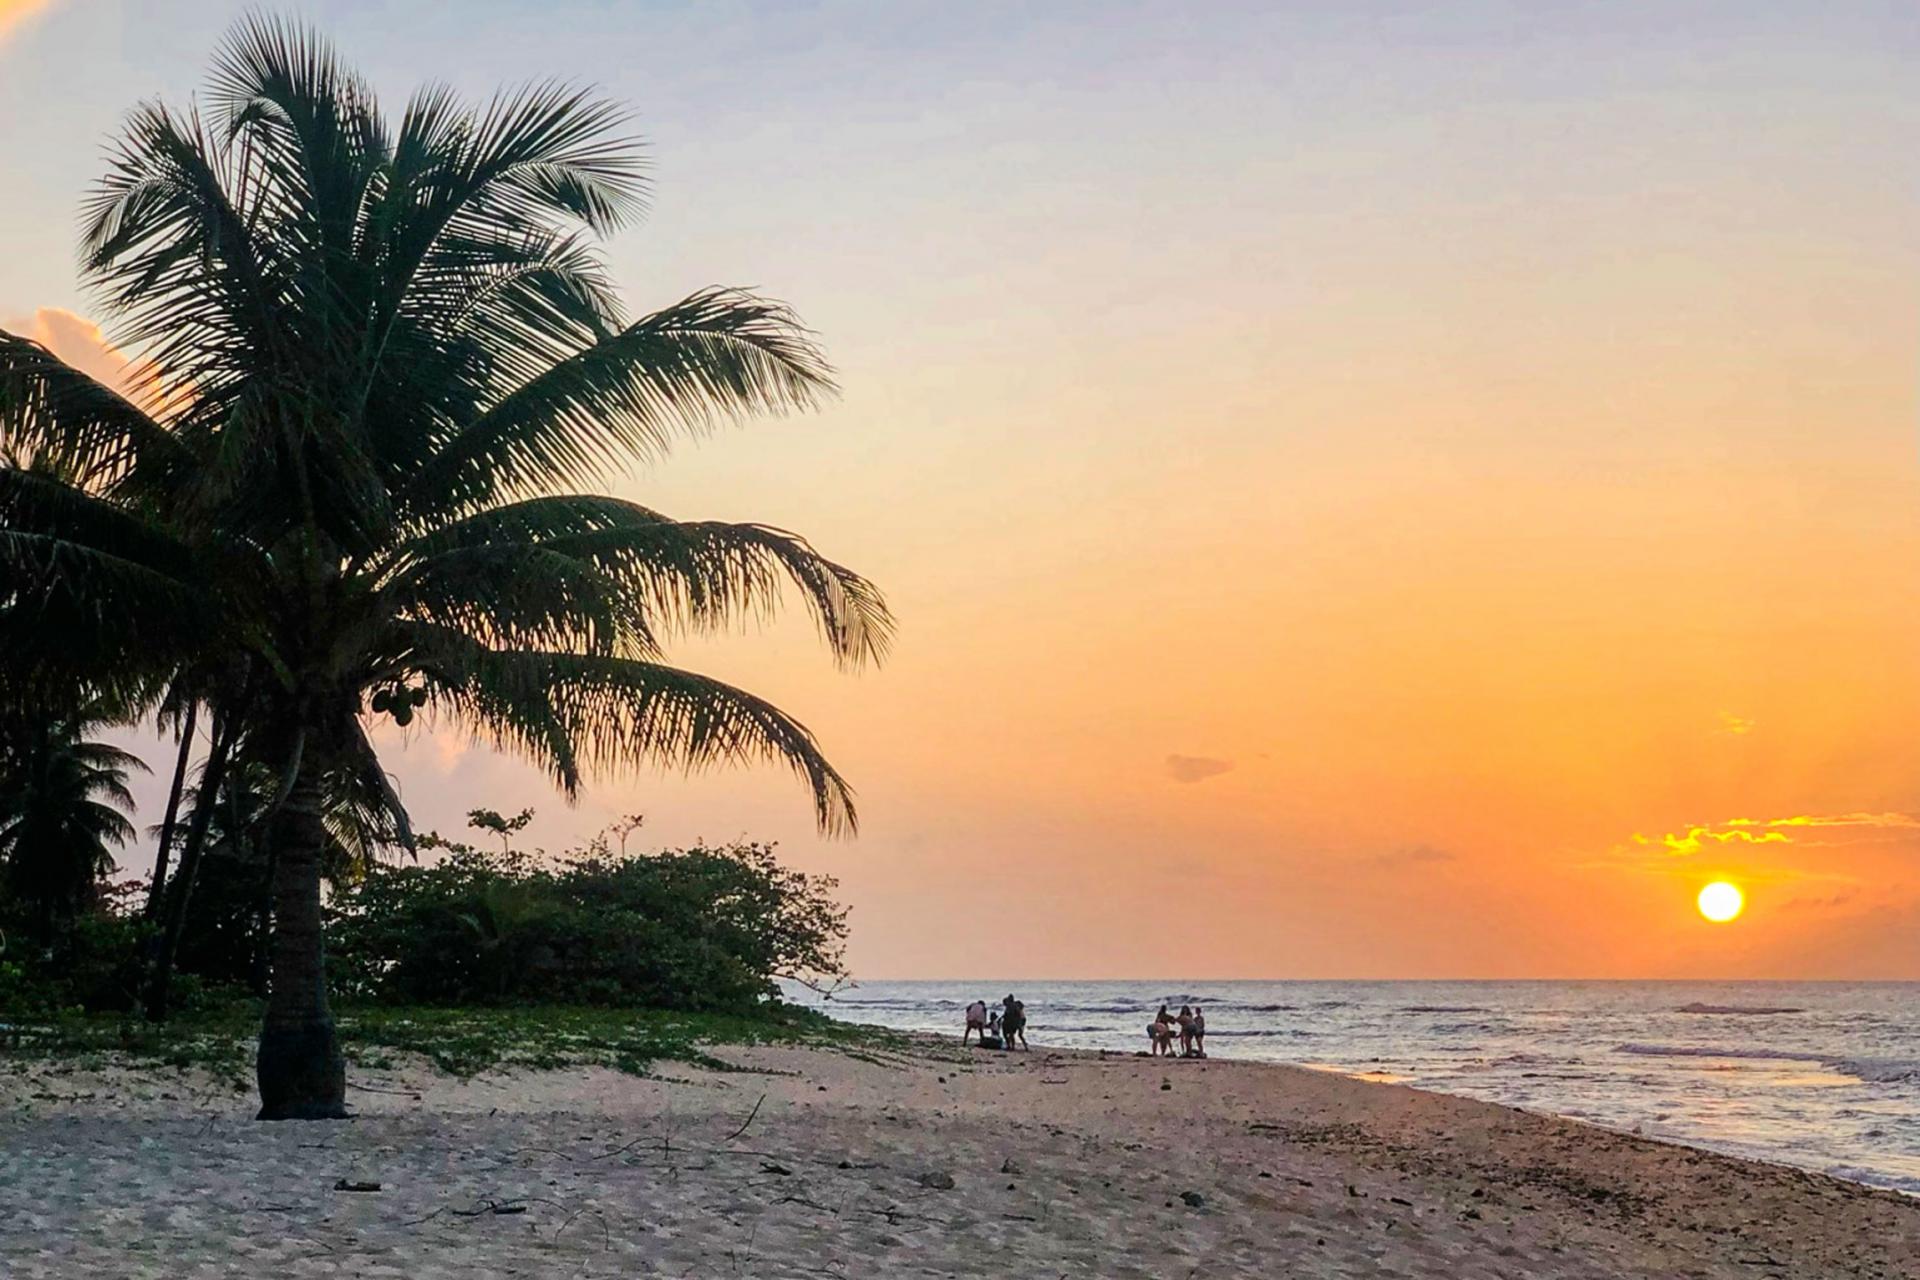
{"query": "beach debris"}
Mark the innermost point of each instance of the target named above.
(815, 1205)
(1166, 1086)
(344, 1184)
(1008, 1166)
(935, 1180)
(749, 1120)
(497, 1208)
(1194, 1199)
(776, 1169)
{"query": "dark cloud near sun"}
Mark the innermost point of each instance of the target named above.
(1196, 768)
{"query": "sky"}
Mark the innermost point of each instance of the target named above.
(1368, 490)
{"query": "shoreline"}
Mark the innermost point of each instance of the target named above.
(1824, 1080)
(908, 1159)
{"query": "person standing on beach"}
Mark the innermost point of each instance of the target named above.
(1186, 1031)
(1198, 1028)
(1013, 1023)
(976, 1021)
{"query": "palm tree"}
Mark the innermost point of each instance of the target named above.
(62, 802)
(380, 362)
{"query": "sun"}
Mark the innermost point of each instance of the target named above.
(1721, 902)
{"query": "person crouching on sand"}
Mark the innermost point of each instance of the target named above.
(1160, 1033)
(976, 1022)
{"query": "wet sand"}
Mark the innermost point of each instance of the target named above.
(922, 1163)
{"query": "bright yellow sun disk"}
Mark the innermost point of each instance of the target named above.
(1721, 902)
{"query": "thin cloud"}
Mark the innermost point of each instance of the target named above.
(1896, 821)
(1840, 828)
(1736, 725)
(1794, 849)
(1191, 769)
(1413, 856)
(1832, 902)
(1693, 839)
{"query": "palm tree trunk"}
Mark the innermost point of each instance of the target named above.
(301, 1071)
(180, 891)
(168, 823)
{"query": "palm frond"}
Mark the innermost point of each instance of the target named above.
(719, 355)
(670, 574)
(52, 414)
(621, 714)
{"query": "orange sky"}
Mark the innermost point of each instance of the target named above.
(1410, 499)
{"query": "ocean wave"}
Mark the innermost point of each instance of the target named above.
(1880, 1070)
(1867, 1070)
(1753, 1009)
(889, 1002)
(1757, 1052)
(1444, 1008)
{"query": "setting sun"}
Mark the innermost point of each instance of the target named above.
(1721, 902)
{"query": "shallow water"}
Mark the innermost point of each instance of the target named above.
(1825, 1076)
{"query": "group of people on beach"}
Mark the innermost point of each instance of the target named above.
(1006, 1028)
(1000, 1028)
(1190, 1026)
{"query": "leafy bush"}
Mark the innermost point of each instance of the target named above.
(91, 963)
(705, 928)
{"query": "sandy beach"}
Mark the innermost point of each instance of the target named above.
(809, 1162)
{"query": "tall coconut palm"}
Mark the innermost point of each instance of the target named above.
(380, 362)
(63, 809)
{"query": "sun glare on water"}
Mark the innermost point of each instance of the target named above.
(1721, 902)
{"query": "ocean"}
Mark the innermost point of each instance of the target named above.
(1823, 1076)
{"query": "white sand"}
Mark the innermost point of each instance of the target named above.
(1061, 1165)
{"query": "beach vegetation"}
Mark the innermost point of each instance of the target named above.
(382, 380)
(218, 1037)
(706, 928)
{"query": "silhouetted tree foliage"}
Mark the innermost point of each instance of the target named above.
(63, 810)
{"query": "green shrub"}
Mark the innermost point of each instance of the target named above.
(91, 963)
(707, 929)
